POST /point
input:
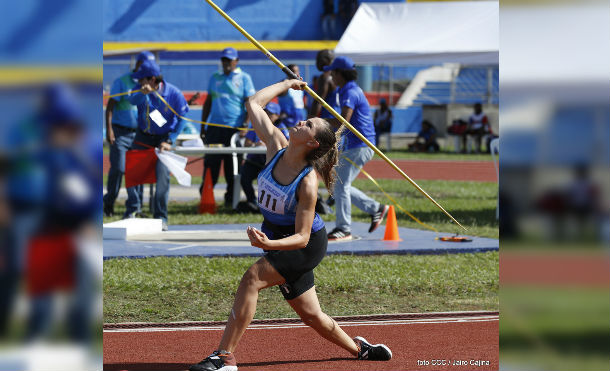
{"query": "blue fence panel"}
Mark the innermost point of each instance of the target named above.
(407, 120)
(195, 20)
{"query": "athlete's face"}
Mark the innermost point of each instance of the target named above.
(305, 131)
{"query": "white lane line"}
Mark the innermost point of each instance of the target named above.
(183, 247)
(300, 325)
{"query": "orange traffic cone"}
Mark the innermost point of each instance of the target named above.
(207, 204)
(391, 226)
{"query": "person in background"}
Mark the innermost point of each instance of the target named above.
(291, 102)
(56, 259)
(329, 20)
(426, 139)
(355, 109)
(121, 125)
(324, 86)
(478, 126)
(347, 10)
(254, 163)
(382, 119)
(227, 92)
(157, 127)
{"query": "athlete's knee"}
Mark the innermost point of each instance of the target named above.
(314, 319)
(250, 279)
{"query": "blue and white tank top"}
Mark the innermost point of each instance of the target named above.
(278, 202)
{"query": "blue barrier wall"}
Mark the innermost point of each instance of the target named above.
(195, 20)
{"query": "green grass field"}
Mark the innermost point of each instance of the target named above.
(554, 328)
(198, 288)
(471, 203)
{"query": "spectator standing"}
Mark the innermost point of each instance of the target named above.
(291, 102)
(478, 126)
(70, 184)
(121, 125)
(382, 119)
(227, 93)
(157, 127)
(254, 163)
(329, 20)
(354, 109)
(426, 139)
(347, 9)
(324, 86)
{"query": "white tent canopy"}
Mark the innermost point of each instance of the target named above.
(423, 33)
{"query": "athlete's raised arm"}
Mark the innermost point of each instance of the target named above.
(266, 131)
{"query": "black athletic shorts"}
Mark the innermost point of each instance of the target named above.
(296, 266)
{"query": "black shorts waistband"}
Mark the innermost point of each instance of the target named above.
(279, 231)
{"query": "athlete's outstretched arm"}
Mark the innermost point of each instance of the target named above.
(266, 131)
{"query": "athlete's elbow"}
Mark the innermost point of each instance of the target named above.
(304, 240)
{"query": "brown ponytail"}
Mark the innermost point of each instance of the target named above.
(325, 157)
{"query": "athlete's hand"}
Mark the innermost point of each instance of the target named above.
(257, 238)
(297, 84)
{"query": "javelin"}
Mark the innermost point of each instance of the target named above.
(287, 71)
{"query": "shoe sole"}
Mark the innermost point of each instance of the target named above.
(225, 368)
(375, 345)
(383, 214)
(346, 238)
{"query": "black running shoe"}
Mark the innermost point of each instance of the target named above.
(217, 361)
(377, 218)
(108, 210)
(377, 352)
(339, 235)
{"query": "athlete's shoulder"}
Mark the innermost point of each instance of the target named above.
(309, 184)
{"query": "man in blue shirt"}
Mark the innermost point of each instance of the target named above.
(121, 124)
(355, 109)
(227, 93)
(157, 127)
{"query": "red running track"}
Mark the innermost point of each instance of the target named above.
(476, 171)
(447, 338)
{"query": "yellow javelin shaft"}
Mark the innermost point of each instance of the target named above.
(329, 108)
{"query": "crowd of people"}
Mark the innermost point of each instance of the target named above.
(141, 120)
(302, 143)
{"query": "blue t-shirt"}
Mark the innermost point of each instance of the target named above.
(255, 139)
(350, 95)
(427, 134)
(149, 103)
(124, 113)
(278, 202)
(292, 104)
(228, 93)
